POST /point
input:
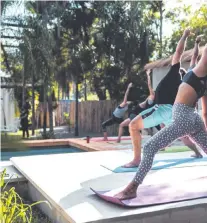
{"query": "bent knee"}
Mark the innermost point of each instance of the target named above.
(136, 124)
(122, 125)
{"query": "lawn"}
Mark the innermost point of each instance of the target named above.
(175, 149)
(12, 140)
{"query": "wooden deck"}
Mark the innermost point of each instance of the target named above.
(95, 144)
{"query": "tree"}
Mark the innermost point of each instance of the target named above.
(195, 19)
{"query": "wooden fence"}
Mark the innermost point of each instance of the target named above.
(92, 113)
(58, 114)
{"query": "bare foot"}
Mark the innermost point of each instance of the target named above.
(118, 140)
(105, 136)
(133, 163)
(128, 193)
(197, 155)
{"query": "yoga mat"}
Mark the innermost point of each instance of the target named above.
(151, 195)
(162, 164)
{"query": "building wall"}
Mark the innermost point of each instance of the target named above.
(159, 73)
(7, 107)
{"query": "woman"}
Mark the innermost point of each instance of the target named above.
(186, 122)
(137, 108)
(118, 114)
(24, 121)
(161, 113)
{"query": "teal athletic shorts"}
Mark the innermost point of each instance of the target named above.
(156, 115)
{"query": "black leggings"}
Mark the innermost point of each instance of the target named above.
(113, 120)
(25, 127)
(158, 127)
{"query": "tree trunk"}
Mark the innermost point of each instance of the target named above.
(68, 91)
(161, 20)
(50, 108)
(4, 115)
(85, 89)
(58, 92)
(101, 94)
(45, 113)
(62, 93)
(76, 110)
(24, 80)
(33, 105)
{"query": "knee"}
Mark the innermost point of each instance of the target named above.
(149, 149)
(135, 125)
(122, 125)
(132, 125)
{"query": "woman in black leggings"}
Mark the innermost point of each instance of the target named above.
(186, 122)
(118, 113)
(137, 108)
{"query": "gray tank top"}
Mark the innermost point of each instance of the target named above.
(120, 111)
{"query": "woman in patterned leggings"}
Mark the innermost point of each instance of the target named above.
(186, 122)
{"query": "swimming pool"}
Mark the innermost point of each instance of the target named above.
(6, 155)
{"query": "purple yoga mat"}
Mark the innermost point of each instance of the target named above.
(149, 195)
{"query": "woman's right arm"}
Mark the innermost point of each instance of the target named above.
(126, 95)
(151, 91)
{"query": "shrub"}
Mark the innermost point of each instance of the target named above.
(12, 207)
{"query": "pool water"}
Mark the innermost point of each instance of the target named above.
(6, 155)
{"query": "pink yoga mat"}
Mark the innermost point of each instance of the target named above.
(149, 195)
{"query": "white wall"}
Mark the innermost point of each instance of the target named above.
(7, 107)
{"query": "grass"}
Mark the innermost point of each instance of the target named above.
(13, 140)
(176, 149)
(16, 135)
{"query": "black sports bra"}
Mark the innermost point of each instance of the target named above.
(198, 84)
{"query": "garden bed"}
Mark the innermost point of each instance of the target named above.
(22, 189)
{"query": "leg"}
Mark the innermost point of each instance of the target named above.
(189, 144)
(23, 133)
(161, 126)
(146, 119)
(121, 126)
(186, 140)
(200, 135)
(27, 131)
(158, 127)
(109, 122)
(160, 140)
(150, 131)
(134, 128)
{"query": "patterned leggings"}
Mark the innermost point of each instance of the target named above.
(186, 122)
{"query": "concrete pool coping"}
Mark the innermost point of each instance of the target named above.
(81, 143)
(65, 181)
(12, 174)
